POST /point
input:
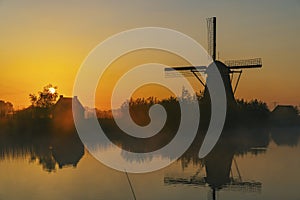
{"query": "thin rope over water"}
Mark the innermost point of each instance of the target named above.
(131, 187)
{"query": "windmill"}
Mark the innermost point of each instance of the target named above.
(227, 69)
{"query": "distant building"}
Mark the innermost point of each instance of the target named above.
(285, 115)
(62, 112)
(63, 108)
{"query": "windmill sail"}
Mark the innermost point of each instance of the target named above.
(211, 35)
(242, 64)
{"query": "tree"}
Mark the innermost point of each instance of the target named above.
(5, 108)
(45, 98)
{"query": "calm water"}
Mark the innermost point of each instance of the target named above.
(248, 165)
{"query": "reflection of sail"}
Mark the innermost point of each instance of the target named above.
(232, 183)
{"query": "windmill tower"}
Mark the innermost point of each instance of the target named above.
(227, 69)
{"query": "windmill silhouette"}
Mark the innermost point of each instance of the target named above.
(227, 68)
(233, 182)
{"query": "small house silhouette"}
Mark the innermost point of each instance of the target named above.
(62, 112)
(284, 115)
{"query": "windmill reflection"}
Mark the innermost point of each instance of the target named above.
(219, 169)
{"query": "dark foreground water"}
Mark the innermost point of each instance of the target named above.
(246, 166)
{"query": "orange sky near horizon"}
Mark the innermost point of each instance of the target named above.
(46, 42)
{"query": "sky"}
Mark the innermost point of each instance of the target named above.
(44, 42)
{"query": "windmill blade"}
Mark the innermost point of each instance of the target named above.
(243, 64)
(211, 36)
(233, 185)
(186, 71)
(186, 68)
(177, 74)
(174, 73)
